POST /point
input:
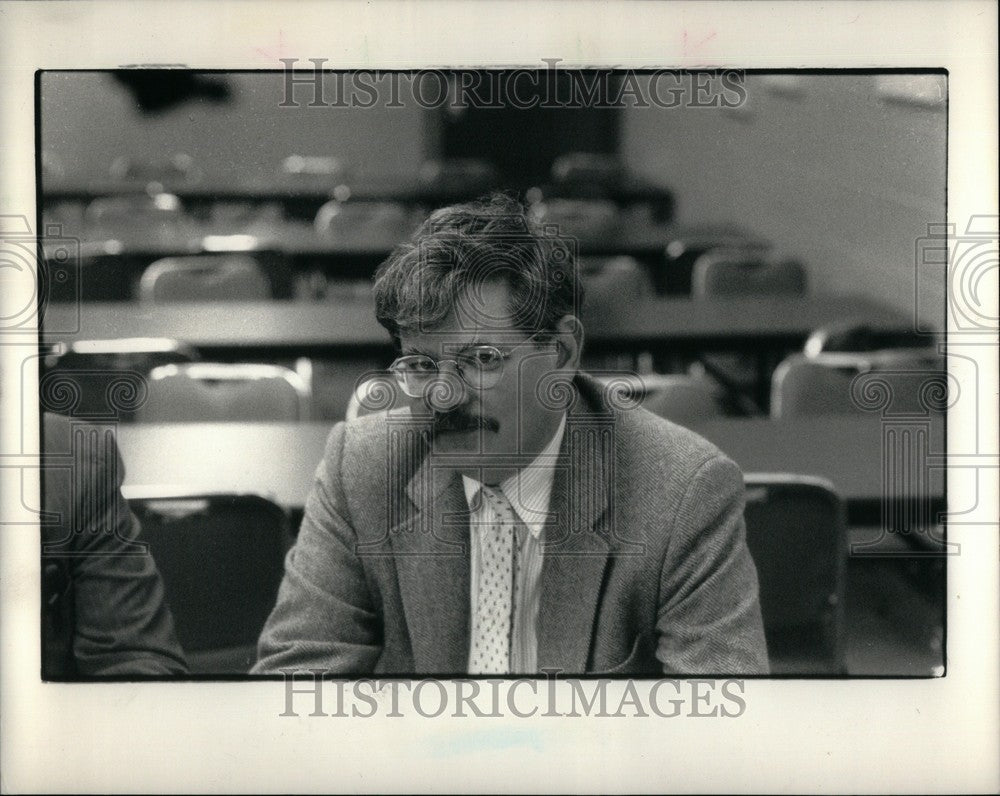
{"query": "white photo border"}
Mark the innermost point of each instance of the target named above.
(876, 735)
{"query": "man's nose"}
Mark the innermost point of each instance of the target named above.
(447, 390)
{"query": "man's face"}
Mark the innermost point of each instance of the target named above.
(475, 424)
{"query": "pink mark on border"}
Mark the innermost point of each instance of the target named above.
(690, 49)
(273, 52)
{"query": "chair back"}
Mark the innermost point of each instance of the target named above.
(734, 272)
(134, 210)
(312, 172)
(315, 285)
(613, 283)
(68, 215)
(853, 335)
(904, 380)
(221, 559)
(796, 533)
(681, 398)
(219, 392)
(176, 170)
(587, 219)
(206, 277)
(588, 168)
(685, 244)
(363, 224)
(105, 379)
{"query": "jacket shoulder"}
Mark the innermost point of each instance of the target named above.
(660, 447)
(647, 444)
(359, 450)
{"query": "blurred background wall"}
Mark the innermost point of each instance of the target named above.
(844, 178)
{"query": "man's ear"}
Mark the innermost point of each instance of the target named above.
(569, 337)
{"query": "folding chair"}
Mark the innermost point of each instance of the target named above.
(205, 277)
(305, 168)
(68, 215)
(135, 215)
(853, 335)
(362, 224)
(796, 533)
(686, 244)
(105, 379)
(221, 559)
(176, 170)
(588, 168)
(586, 219)
(681, 398)
(734, 272)
(314, 285)
(913, 380)
(220, 392)
(613, 282)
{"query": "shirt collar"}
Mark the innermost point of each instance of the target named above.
(529, 489)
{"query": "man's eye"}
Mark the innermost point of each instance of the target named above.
(485, 357)
(422, 365)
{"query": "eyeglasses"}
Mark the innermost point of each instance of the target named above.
(479, 366)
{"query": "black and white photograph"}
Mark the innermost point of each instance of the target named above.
(710, 418)
(516, 390)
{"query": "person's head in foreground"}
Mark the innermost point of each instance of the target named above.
(484, 308)
(514, 517)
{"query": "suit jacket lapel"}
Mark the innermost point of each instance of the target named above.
(431, 554)
(431, 548)
(576, 543)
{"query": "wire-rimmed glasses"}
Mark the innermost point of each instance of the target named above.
(480, 366)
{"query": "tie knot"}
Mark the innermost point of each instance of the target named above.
(497, 500)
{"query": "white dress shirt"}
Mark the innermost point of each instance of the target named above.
(528, 491)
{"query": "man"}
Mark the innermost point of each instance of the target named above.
(516, 517)
(103, 604)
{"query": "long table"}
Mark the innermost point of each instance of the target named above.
(295, 237)
(311, 191)
(110, 261)
(282, 327)
(765, 328)
(279, 460)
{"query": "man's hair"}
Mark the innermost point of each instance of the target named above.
(465, 246)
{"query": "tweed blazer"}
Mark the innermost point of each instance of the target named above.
(104, 611)
(645, 569)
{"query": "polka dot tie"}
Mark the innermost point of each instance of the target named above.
(492, 624)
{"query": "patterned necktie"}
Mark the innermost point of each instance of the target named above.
(494, 601)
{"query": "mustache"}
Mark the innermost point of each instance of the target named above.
(459, 420)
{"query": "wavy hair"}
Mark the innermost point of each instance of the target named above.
(462, 247)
